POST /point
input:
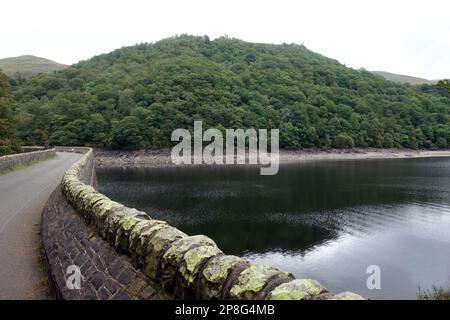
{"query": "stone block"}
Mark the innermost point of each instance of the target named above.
(125, 225)
(216, 273)
(190, 266)
(156, 245)
(138, 240)
(298, 289)
(346, 296)
(103, 209)
(252, 281)
(173, 257)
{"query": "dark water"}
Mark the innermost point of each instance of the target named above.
(327, 221)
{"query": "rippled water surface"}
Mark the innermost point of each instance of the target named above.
(325, 220)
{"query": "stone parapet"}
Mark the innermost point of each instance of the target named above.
(12, 161)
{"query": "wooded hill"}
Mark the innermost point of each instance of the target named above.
(135, 96)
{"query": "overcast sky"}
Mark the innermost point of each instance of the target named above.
(401, 36)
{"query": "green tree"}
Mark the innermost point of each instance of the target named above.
(444, 85)
(343, 140)
(441, 142)
(63, 137)
(8, 141)
(388, 140)
(126, 134)
(97, 130)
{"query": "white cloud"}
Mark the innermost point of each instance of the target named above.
(402, 36)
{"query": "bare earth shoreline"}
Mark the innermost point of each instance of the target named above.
(161, 158)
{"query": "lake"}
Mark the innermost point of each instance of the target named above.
(325, 220)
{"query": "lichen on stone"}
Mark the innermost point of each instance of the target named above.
(91, 201)
(215, 274)
(162, 238)
(172, 259)
(102, 210)
(136, 253)
(253, 279)
(83, 200)
(346, 296)
(112, 224)
(298, 289)
(136, 231)
(146, 234)
(192, 261)
(124, 227)
(75, 191)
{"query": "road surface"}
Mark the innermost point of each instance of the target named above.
(23, 194)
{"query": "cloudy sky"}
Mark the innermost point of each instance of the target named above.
(401, 36)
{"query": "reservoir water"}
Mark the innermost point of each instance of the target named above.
(327, 220)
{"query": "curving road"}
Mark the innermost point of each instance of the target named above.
(23, 194)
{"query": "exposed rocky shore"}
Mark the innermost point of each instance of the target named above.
(161, 157)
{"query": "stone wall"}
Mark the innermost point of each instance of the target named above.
(32, 148)
(16, 160)
(183, 266)
(72, 149)
(106, 275)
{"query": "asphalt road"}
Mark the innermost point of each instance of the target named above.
(23, 194)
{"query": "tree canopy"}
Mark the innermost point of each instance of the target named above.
(8, 141)
(135, 96)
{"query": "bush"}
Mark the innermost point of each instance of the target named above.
(343, 141)
(126, 134)
(435, 293)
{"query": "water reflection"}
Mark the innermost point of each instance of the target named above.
(326, 220)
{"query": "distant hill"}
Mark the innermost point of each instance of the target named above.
(28, 66)
(400, 78)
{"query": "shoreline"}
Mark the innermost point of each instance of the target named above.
(161, 158)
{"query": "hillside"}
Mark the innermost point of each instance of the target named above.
(135, 96)
(28, 66)
(403, 78)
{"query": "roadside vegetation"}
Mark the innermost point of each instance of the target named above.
(436, 293)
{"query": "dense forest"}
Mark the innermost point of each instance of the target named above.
(8, 141)
(135, 96)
